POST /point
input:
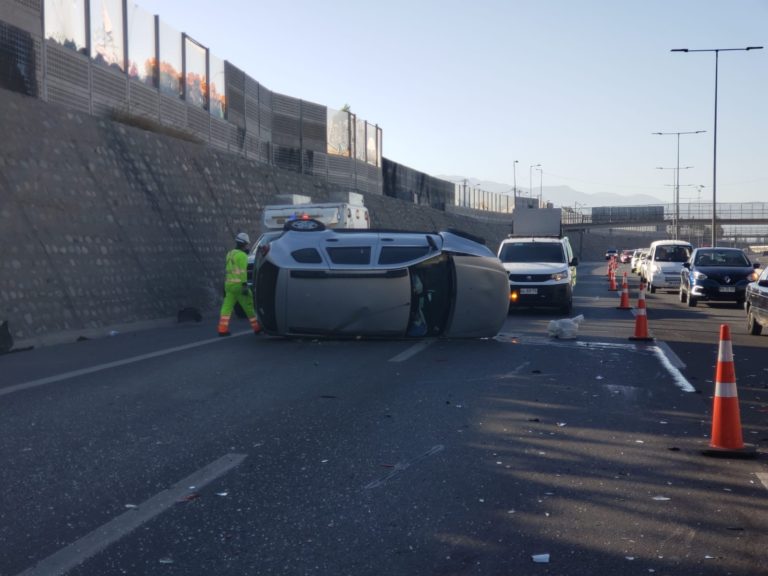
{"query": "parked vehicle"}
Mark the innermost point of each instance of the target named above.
(664, 263)
(539, 261)
(611, 252)
(716, 274)
(313, 281)
(756, 304)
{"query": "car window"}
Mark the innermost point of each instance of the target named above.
(721, 258)
(400, 254)
(532, 252)
(672, 253)
(350, 255)
(307, 256)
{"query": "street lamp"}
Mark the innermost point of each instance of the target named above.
(541, 186)
(677, 172)
(530, 178)
(675, 193)
(714, 153)
(514, 180)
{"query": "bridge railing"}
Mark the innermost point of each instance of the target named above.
(666, 213)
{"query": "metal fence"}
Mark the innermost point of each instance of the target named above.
(111, 58)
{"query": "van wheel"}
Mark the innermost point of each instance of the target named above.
(651, 288)
(304, 226)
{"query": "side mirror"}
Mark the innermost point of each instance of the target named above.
(686, 264)
(756, 265)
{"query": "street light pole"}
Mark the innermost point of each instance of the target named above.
(675, 195)
(514, 180)
(677, 175)
(541, 186)
(530, 178)
(714, 147)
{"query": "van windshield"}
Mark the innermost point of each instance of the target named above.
(532, 252)
(672, 253)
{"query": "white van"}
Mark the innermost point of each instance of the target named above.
(332, 214)
(664, 263)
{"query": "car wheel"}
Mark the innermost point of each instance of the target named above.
(753, 327)
(304, 226)
(567, 307)
(692, 301)
(651, 288)
(681, 295)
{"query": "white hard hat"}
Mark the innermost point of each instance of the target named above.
(242, 238)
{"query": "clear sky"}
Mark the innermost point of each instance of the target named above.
(465, 87)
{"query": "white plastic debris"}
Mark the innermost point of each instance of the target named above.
(540, 558)
(661, 498)
(565, 328)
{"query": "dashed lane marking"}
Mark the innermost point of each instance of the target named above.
(91, 544)
(132, 360)
(412, 351)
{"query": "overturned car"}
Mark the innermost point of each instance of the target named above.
(313, 281)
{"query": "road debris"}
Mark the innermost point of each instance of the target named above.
(540, 558)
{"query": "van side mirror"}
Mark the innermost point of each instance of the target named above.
(575, 261)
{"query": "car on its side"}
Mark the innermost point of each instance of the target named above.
(664, 264)
(542, 271)
(756, 304)
(716, 275)
(349, 283)
(611, 252)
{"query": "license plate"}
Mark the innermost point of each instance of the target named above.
(529, 290)
(727, 288)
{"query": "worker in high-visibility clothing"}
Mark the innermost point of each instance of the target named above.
(236, 286)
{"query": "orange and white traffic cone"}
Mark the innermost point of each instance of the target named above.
(641, 320)
(726, 438)
(624, 303)
(612, 279)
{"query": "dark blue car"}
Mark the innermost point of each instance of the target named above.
(716, 275)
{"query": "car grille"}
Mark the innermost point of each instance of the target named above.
(530, 277)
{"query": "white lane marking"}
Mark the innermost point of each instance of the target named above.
(671, 356)
(677, 376)
(763, 477)
(412, 351)
(108, 365)
(400, 466)
(91, 544)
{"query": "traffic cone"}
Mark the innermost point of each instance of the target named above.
(624, 304)
(641, 320)
(612, 278)
(726, 438)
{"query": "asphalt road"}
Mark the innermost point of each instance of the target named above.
(170, 451)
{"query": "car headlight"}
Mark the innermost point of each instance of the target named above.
(753, 277)
(562, 275)
(699, 276)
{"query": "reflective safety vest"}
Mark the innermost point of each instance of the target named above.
(237, 267)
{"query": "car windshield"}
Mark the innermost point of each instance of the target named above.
(532, 252)
(672, 253)
(732, 258)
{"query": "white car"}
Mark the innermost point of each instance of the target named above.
(664, 264)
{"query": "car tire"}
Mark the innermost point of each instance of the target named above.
(753, 327)
(651, 288)
(682, 295)
(567, 307)
(304, 226)
(692, 301)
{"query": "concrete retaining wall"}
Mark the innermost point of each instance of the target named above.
(105, 225)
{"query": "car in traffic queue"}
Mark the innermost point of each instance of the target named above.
(542, 271)
(611, 252)
(625, 256)
(634, 261)
(664, 264)
(756, 304)
(716, 275)
(320, 282)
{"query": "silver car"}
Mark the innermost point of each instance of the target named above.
(312, 281)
